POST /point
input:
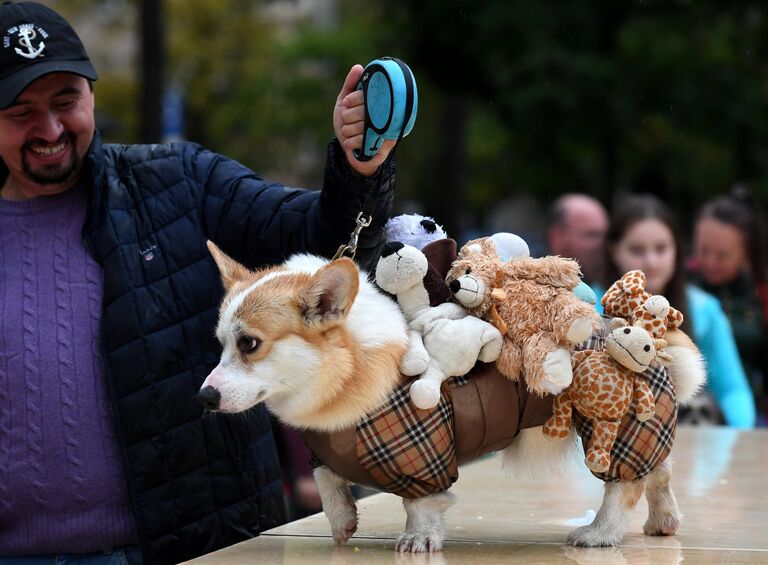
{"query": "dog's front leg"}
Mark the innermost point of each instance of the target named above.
(608, 526)
(663, 513)
(425, 525)
(338, 504)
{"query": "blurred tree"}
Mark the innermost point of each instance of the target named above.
(516, 97)
(659, 96)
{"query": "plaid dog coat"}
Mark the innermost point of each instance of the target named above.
(413, 453)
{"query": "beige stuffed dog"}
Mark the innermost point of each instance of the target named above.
(532, 302)
(445, 341)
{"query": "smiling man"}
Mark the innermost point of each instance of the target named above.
(109, 301)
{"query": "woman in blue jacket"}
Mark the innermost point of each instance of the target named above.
(644, 235)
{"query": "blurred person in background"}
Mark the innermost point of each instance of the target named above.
(643, 234)
(577, 227)
(729, 260)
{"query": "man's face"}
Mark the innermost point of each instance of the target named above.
(45, 135)
(581, 236)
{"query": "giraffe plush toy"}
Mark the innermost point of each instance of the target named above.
(604, 385)
(628, 299)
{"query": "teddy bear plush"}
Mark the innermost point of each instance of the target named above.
(445, 341)
(627, 298)
(531, 301)
(604, 385)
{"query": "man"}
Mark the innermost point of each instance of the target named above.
(577, 228)
(109, 300)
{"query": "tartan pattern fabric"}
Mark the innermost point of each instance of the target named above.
(640, 446)
(409, 452)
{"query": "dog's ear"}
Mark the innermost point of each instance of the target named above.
(231, 271)
(331, 292)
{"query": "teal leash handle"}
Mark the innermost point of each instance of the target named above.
(391, 103)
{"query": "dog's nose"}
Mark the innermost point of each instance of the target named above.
(209, 398)
(455, 286)
(391, 247)
(428, 225)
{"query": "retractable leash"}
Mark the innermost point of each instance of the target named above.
(391, 102)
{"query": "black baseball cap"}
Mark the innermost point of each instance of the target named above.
(36, 41)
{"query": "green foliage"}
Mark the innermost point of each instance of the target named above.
(516, 97)
(597, 97)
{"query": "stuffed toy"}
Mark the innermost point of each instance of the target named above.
(628, 299)
(604, 385)
(445, 341)
(532, 303)
(413, 229)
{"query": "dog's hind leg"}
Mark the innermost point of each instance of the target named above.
(338, 504)
(663, 513)
(425, 526)
(608, 526)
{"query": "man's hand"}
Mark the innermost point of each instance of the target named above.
(348, 118)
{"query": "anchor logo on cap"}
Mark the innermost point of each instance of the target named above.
(26, 36)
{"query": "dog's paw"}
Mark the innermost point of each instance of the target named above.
(343, 528)
(662, 525)
(594, 536)
(408, 542)
(580, 330)
(557, 371)
(425, 394)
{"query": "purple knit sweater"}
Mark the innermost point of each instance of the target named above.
(62, 483)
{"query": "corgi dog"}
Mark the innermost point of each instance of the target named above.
(321, 346)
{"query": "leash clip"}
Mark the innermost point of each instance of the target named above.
(351, 248)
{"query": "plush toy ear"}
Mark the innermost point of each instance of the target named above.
(331, 292)
(674, 318)
(231, 271)
(440, 255)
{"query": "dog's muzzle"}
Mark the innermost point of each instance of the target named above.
(209, 398)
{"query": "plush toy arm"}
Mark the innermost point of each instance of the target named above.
(510, 361)
(674, 318)
(416, 358)
(559, 424)
(448, 311)
(646, 405)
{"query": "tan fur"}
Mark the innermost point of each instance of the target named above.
(352, 379)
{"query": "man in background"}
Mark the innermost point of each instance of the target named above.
(577, 227)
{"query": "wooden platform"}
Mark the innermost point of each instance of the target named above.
(720, 480)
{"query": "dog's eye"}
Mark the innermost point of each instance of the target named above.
(647, 348)
(468, 270)
(248, 344)
(627, 330)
